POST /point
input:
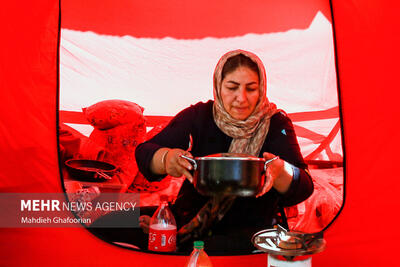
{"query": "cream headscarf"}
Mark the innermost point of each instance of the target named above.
(248, 135)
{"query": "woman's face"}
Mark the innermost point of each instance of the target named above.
(240, 91)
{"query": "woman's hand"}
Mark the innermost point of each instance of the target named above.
(168, 161)
(279, 172)
(177, 166)
(144, 223)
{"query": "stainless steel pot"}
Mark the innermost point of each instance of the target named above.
(230, 174)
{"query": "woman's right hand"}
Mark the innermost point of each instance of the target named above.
(144, 223)
(176, 166)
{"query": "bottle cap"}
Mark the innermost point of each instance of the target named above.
(163, 198)
(198, 244)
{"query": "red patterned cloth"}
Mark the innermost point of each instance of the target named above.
(108, 114)
(120, 143)
(119, 126)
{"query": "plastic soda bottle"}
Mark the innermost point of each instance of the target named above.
(162, 229)
(198, 257)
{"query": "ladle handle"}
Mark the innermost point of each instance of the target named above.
(192, 161)
(268, 162)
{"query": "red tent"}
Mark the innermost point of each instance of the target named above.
(365, 49)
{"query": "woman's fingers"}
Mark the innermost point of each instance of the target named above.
(272, 172)
(263, 191)
(177, 166)
(144, 222)
(187, 166)
(188, 175)
(268, 156)
(181, 170)
(266, 187)
(275, 163)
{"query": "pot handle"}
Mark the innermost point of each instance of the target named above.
(268, 162)
(192, 161)
(105, 176)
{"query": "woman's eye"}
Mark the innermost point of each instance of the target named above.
(251, 89)
(232, 88)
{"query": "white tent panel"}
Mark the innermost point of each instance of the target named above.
(166, 75)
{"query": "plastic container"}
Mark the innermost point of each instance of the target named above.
(198, 257)
(280, 261)
(162, 229)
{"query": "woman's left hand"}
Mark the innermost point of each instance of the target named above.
(279, 172)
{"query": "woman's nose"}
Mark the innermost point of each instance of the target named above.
(242, 95)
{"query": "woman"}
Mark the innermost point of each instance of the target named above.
(239, 120)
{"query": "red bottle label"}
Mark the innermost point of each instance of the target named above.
(162, 238)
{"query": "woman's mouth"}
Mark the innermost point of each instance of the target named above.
(241, 109)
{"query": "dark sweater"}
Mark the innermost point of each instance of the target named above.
(246, 212)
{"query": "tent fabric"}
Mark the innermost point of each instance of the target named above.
(28, 88)
(168, 74)
(192, 20)
(165, 75)
(366, 61)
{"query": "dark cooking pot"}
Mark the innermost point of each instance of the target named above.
(90, 170)
(230, 174)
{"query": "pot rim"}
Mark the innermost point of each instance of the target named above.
(231, 158)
